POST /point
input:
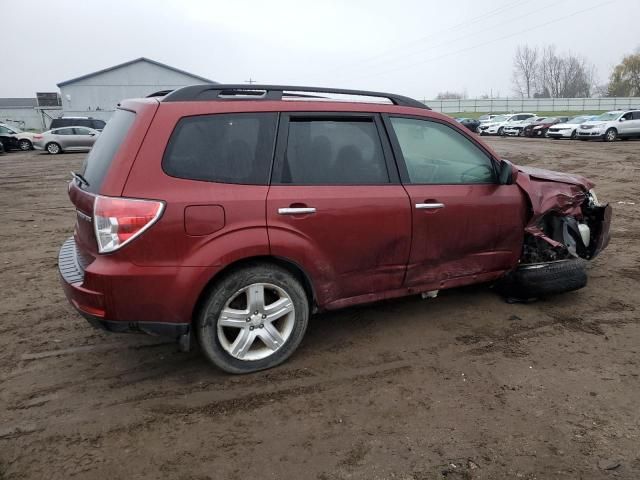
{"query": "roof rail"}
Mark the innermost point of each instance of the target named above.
(274, 92)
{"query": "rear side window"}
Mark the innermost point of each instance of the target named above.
(99, 159)
(333, 152)
(225, 148)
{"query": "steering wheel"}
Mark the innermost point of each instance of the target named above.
(467, 174)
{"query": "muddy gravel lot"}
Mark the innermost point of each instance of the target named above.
(464, 386)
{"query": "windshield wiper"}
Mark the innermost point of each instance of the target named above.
(81, 180)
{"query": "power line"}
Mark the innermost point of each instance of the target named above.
(431, 35)
(494, 40)
(452, 40)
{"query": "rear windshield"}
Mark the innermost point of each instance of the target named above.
(99, 159)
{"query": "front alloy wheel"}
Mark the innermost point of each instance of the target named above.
(253, 319)
(611, 135)
(24, 145)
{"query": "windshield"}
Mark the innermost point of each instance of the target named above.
(580, 119)
(608, 116)
(549, 120)
(501, 118)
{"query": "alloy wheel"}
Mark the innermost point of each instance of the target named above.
(256, 321)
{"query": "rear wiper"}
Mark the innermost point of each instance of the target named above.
(81, 180)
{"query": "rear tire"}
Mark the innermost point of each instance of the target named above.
(501, 132)
(542, 279)
(573, 135)
(53, 148)
(233, 316)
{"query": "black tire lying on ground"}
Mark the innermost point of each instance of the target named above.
(537, 280)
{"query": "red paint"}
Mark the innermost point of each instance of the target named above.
(364, 243)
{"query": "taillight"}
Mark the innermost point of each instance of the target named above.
(37, 136)
(117, 221)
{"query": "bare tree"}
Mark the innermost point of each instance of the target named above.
(525, 69)
(565, 75)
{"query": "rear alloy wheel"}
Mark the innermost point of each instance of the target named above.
(501, 131)
(253, 319)
(53, 148)
(573, 135)
(25, 145)
(611, 135)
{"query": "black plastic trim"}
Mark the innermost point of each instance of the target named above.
(274, 92)
(150, 328)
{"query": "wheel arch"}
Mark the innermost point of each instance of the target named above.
(292, 267)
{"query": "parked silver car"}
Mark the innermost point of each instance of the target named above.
(67, 139)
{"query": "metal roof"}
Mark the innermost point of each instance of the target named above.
(141, 59)
(18, 102)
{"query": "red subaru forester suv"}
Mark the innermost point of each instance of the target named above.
(229, 213)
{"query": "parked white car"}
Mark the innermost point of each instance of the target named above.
(568, 129)
(24, 140)
(497, 125)
(516, 129)
(488, 117)
(611, 125)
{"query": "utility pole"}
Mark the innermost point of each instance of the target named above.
(250, 81)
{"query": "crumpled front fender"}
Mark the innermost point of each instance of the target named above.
(563, 195)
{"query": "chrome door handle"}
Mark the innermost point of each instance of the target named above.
(296, 211)
(429, 206)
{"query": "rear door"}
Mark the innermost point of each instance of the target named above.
(84, 137)
(335, 205)
(466, 227)
(65, 137)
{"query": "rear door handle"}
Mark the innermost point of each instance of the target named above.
(296, 210)
(429, 206)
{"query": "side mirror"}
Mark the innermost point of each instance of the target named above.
(508, 173)
(622, 119)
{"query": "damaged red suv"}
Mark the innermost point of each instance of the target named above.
(228, 214)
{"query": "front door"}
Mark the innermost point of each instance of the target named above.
(466, 227)
(336, 207)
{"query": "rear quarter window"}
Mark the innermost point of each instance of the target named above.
(99, 159)
(225, 148)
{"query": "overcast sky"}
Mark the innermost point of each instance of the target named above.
(413, 47)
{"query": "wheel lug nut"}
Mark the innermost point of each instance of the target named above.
(256, 312)
(248, 319)
(262, 325)
(251, 327)
(264, 316)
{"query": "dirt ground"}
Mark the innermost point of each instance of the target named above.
(464, 386)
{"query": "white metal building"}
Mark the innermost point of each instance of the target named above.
(97, 94)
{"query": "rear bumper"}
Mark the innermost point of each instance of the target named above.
(119, 296)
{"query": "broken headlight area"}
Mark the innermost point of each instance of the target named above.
(559, 237)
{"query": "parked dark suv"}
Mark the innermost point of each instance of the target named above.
(89, 122)
(229, 213)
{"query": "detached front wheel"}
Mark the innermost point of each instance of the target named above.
(253, 319)
(537, 280)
